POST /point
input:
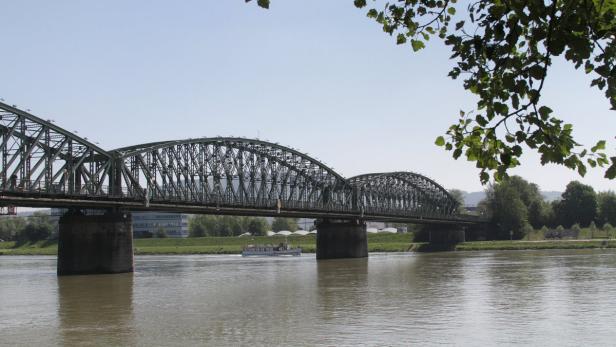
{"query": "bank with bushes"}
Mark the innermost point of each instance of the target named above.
(376, 243)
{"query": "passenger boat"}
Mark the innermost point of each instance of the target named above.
(270, 250)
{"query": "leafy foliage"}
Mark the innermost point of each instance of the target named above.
(507, 204)
(257, 226)
(209, 225)
(281, 223)
(10, 227)
(540, 214)
(607, 208)
(458, 195)
(503, 50)
(37, 227)
(578, 205)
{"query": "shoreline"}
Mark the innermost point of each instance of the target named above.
(377, 243)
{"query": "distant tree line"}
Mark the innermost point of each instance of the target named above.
(515, 207)
(211, 225)
(34, 228)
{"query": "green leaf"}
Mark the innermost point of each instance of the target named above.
(611, 171)
(581, 169)
(263, 3)
(451, 11)
(536, 72)
(517, 150)
(400, 39)
(417, 45)
(440, 141)
(599, 146)
(544, 112)
(359, 3)
(484, 177)
(481, 120)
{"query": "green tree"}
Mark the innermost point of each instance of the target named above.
(11, 226)
(506, 210)
(209, 225)
(540, 214)
(504, 50)
(529, 192)
(199, 225)
(607, 207)
(578, 205)
(257, 226)
(281, 223)
(516, 205)
(39, 227)
(458, 195)
(196, 230)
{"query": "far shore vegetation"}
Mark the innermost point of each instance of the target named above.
(376, 243)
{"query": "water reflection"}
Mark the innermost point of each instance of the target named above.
(341, 284)
(96, 310)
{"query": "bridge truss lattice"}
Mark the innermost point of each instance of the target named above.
(45, 165)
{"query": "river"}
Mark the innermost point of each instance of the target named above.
(546, 298)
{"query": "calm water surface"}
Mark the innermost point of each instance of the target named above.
(550, 298)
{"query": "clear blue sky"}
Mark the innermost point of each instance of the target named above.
(315, 75)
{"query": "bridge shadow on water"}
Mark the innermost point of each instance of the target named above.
(96, 310)
(341, 284)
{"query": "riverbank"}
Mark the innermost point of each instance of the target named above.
(376, 243)
(216, 245)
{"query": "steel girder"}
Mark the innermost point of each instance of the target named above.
(38, 157)
(225, 171)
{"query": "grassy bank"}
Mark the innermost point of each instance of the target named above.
(376, 243)
(216, 245)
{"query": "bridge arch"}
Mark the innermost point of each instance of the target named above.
(402, 192)
(228, 171)
(38, 156)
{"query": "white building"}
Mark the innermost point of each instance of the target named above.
(173, 224)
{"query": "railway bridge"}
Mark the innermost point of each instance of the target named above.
(43, 165)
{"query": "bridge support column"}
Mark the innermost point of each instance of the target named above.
(97, 244)
(341, 239)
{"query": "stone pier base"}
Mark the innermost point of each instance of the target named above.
(341, 239)
(97, 244)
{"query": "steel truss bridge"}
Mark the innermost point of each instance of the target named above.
(43, 165)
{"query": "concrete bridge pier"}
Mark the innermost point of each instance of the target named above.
(95, 244)
(338, 238)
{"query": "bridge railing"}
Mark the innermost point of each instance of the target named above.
(21, 187)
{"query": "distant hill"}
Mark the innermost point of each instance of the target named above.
(473, 198)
